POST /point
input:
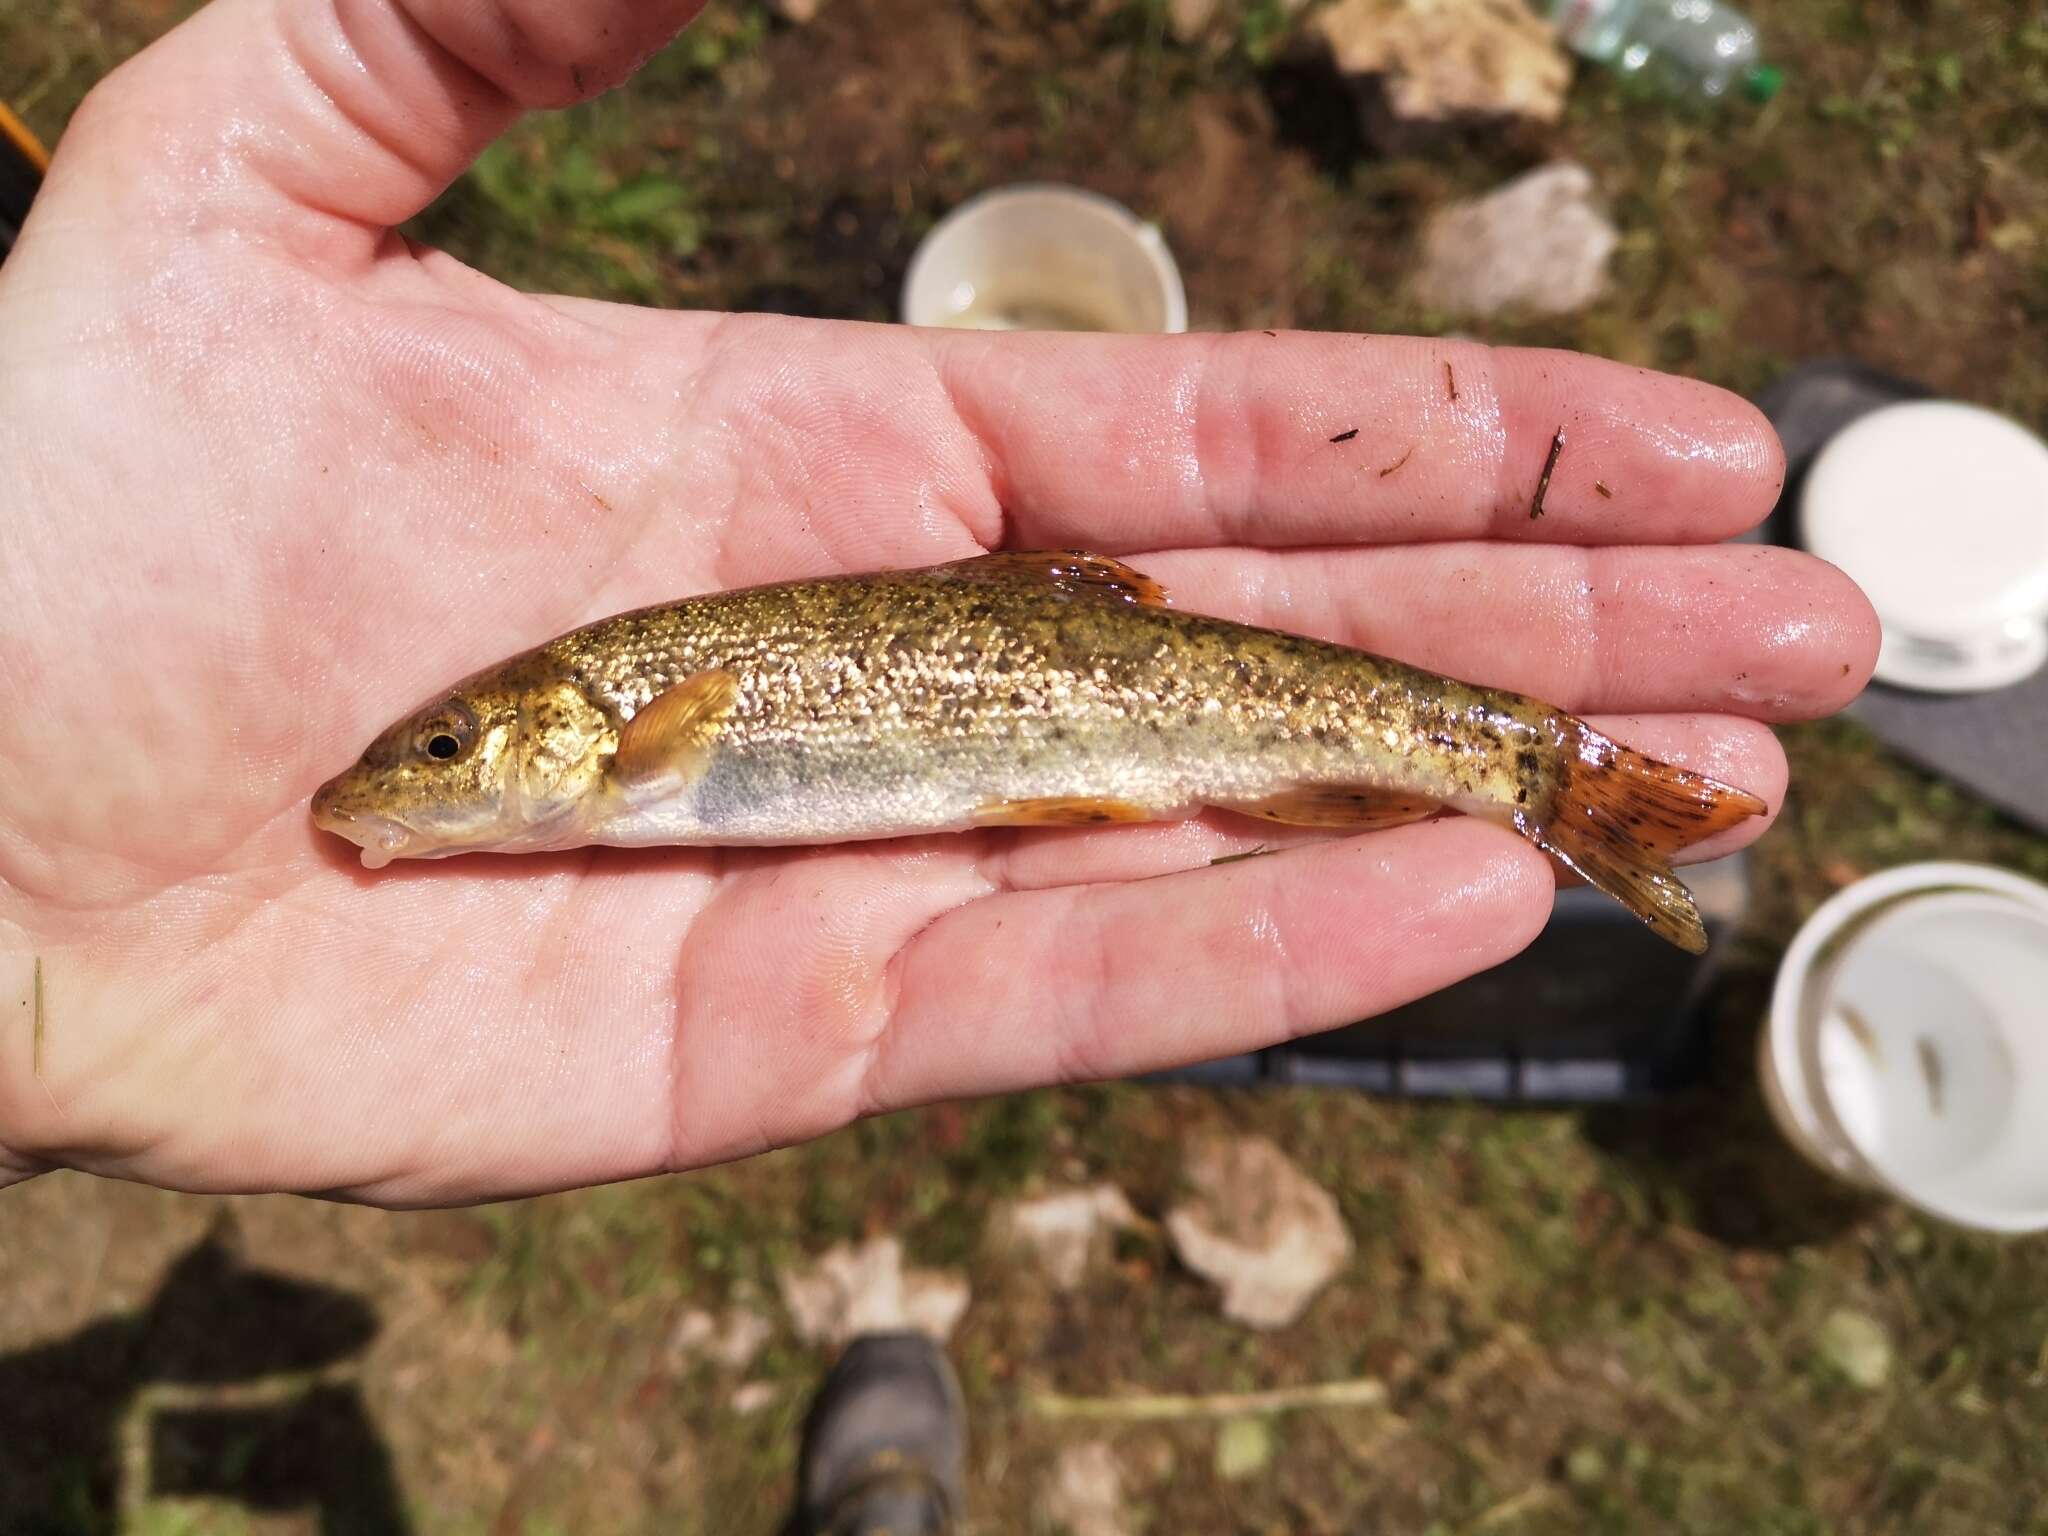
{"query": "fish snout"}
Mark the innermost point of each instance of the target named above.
(380, 838)
(323, 803)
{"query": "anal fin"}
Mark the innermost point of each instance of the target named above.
(1059, 811)
(1351, 807)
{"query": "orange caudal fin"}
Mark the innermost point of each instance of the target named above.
(1617, 819)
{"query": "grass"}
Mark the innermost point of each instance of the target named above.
(1587, 1321)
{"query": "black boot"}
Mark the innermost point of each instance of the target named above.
(885, 1447)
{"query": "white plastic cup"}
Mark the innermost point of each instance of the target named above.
(1042, 257)
(1939, 510)
(1907, 1047)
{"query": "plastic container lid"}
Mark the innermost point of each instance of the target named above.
(1939, 511)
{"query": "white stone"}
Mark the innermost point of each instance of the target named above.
(741, 1339)
(934, 1301)
(1258, 1227)
(693, 1330)
(1244, 1448)
(1086, 1497)
(1190, 20)
(855, 1290)
(1856, 1345)
(1537, 244)
(750, 1397)
(1442, 60)
(732, 1343)
(1062, 1232)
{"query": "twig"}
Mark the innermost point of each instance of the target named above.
(1147, 1407)
(1249, 853)
(1543, 485)
(35, 1036)
(1530, 1498)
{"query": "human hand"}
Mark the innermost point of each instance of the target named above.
(272, 475)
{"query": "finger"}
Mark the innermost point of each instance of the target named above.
(1752, 629)
(1153, 442)
(358, 111)
(1100, 981)
(1735, 751)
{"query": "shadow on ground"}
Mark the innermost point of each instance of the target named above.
(201, 1393)
(1712, 1153)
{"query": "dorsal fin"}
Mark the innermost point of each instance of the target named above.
(1071, 570)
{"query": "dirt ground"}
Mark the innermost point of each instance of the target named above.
(1613, 1320)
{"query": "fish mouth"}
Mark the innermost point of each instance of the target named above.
(380, 838)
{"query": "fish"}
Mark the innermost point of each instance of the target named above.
(1018, 689)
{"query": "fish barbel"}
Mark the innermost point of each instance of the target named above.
(1044, 689)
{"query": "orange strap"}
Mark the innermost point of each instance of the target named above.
(16, 132)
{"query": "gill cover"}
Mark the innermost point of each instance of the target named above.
(560, 733)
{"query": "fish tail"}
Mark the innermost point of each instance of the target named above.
(1617, 818)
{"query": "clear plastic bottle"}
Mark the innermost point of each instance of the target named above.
(1685, 47)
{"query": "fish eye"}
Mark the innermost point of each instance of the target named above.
(446, 734)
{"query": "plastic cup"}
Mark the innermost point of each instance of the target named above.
(1907, 1047)
(1041, 257)
(1939, 511)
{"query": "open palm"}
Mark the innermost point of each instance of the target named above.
(271, 476)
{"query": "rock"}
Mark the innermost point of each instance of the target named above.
(800, 13)
(1259, 1227)
(1536, 244)
(692, 1331)
(933, 1301)
(752, 1396)
(1244, 1448)
(1585, 1467)
(851, 1291)
(741, 1339)
(1087, 1493)
(1063, 1232)
(1190, 20)
(1856, 1345)
(732, 1343)
(1439, 61)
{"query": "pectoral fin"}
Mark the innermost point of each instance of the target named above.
(668, 741)
(1351, 807)
(1071, 570)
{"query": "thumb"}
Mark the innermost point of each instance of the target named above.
(347, 115)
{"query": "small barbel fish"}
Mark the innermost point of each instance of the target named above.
(1045, 689)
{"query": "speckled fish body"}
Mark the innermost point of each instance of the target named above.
(1008, 690)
